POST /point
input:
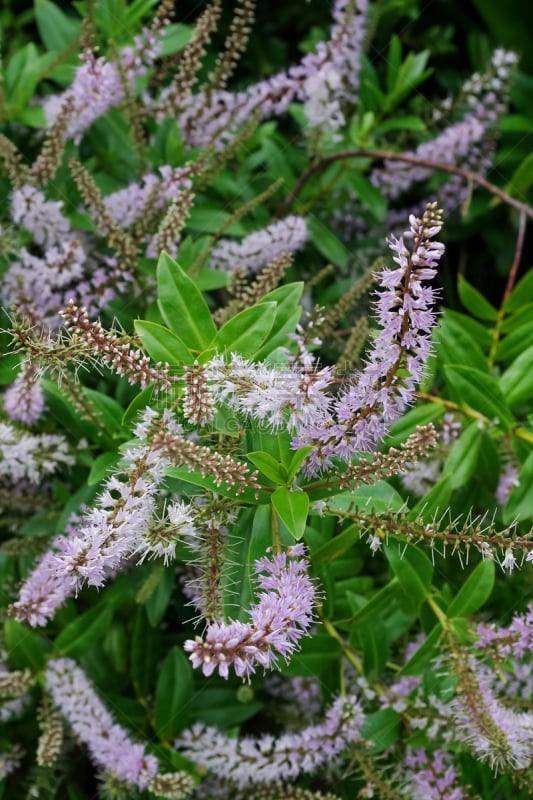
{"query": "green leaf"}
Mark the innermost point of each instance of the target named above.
(222, 707)
(288, 314)
(101, 466)
(421, 660)
(175, 38)
(474, 592)
(372, 197)
(83, 632)
(327, 243)
(456, 345)
(182, 305)
(381, 730)
(413, 569)
(187, 476)
(337, 546)
(246, 332)
(522, 177)
(515, 342)
(516, 382)
(374, 642)
(408, 423)
(157, 603)
(56, 29)
(162, 344)
(434, 502)
(292, 508)
(173, 694)
(520, 503)
(473, 301)
(522, 292)
(268, 466)
(144, 653)
(25, 648)
(481, 393)
(374, 499)
(462, 458)
(385, 598)
(297, 460)
(21, 77)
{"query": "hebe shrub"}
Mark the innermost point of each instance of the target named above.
(260, 493)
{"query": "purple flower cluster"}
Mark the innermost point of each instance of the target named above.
(261, 247)
(431, 776)
(30, 457)
(107, 536)
(100, 84)
(127, 205)
(493, 731)
(108, 743)
(281, 615)
(321, 81)
(378, 395)
(246, 762)
(38, 284)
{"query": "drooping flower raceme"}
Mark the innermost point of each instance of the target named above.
(246, 762)
(321, 81)
(261, 247)
(282, 614)
(108, 743)
(31, 457)
(101, 542)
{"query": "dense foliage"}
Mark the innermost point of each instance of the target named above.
(266, 417)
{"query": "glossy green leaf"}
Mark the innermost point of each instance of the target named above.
(162, 344)
(25, 648)
(474, 592)
(381, 730)
(337, 546)
(516, 382)
(378, 497)
(196, 479)
(297, 460)
(101, 466)
(288, 314)
(422, 658)
(522, 177)
(520, 502)
(182, 305)
(481, 393)
(374, 643)
(84, 631)
(385, 598)
(327, 243)
(408, 423)
(292, 507)
(522, 292)
(456, 345)
(462, 458)
(413, 569)
(434, 502)
(175, 38)
(268, 466)
(144, 652)
(518, 340)
(473, 301)
(157, 603)
(222, 707)
(173, 694)
(56, 29)
(371, 197)
(246, 332)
